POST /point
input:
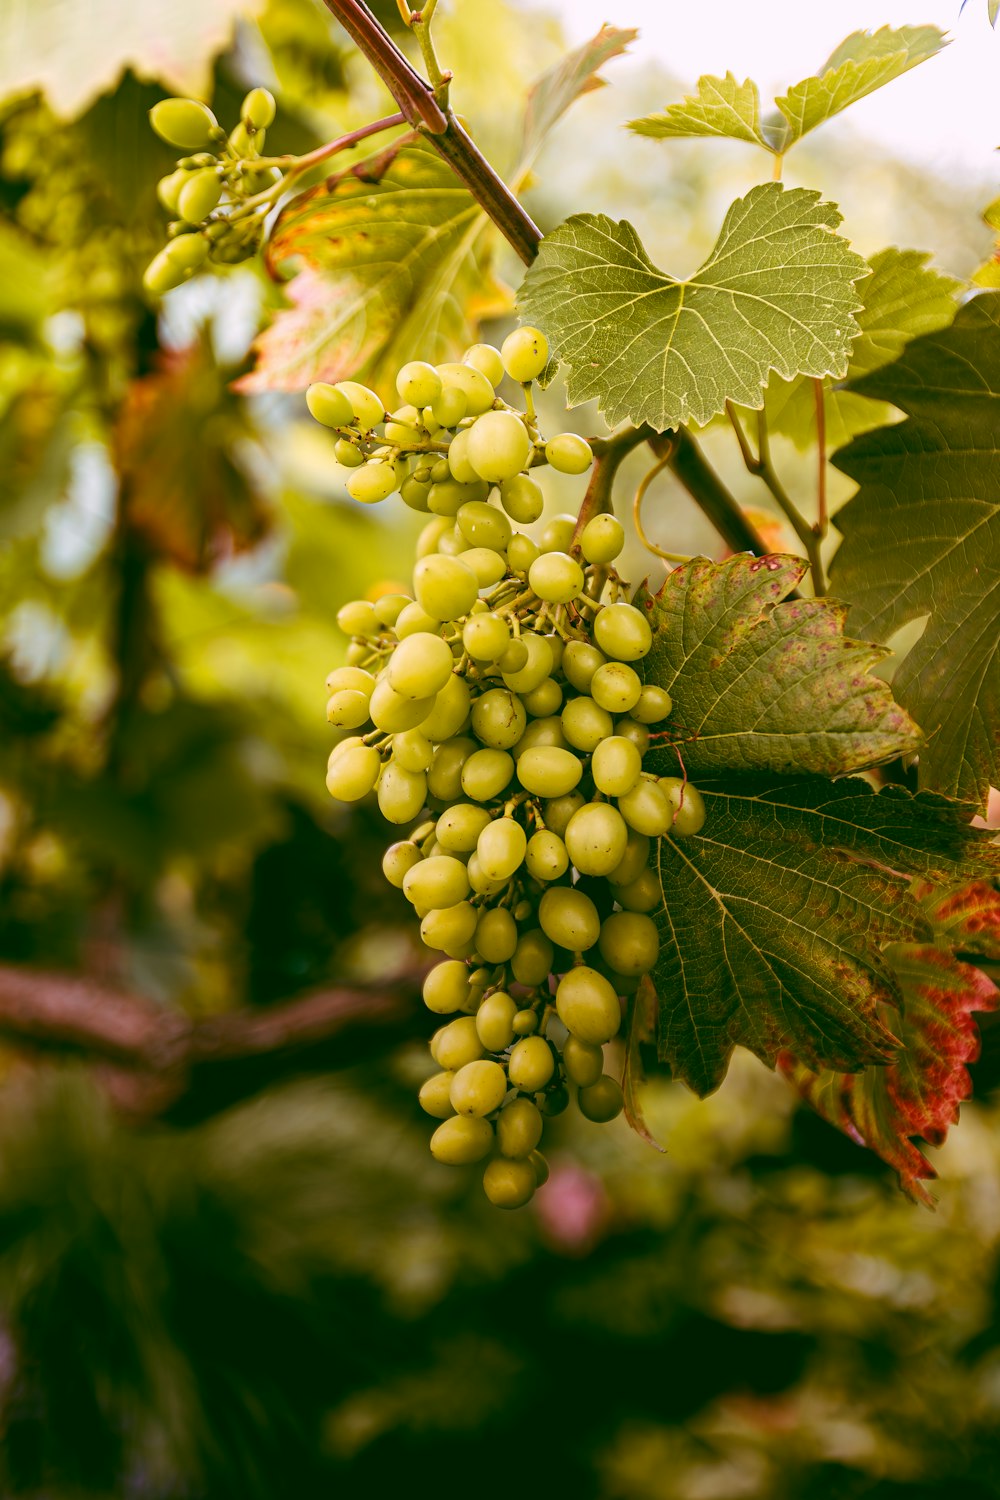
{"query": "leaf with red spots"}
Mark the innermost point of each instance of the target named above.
(641, 1032)
(761, 682)
(918, 1094)
(180, 446)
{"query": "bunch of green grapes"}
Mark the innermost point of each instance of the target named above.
(501, 711)
(219, 195)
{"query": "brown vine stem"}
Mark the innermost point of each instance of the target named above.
(761, 466)
(421, 107)
(608, 456)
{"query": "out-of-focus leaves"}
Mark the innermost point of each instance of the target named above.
(74, 53)
(761, 685)
(25, 290)
(919, 1092)
(641, 1032)
(577, 74)
(903, 299)
(922, 537)
(776, 915)
(988, 274)
(777, 293)
(186, 486)
(36, 445)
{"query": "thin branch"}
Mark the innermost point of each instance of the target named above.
(640, 495)
(608, 456)
(760, 465)
(412, 93)
(688, 464)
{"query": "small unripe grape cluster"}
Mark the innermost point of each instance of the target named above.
(500, 710)
(219, 193)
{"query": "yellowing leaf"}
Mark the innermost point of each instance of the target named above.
(722, 107)
(777, 293)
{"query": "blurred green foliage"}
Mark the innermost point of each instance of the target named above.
(283, 1294)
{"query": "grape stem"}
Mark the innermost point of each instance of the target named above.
(762, 467)
(421, 107)
(688, 464)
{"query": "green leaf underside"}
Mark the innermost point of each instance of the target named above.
(721, 107)
(777, 293)
(919, 1093)
(922, 537)
(397, 264)
(863, 62)
(724, 107)
(389, 266)
(776, 917)
(903, 298)
(761, 685)
(563, 84)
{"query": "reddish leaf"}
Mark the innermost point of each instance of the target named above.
(918, 1094)
(641, 1029)
(178, 455)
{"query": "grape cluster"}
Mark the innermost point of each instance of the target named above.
(500, 711)
(219, 195)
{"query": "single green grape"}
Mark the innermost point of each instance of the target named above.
(509, 1184)
(556, 577)
(414, 493)
(596, 838)
(462, 1140)
(521, 499)
(444, 779)
(586, 723)
(420, 665)
(489, 567)
(600, 1101)
(583, 1061)
(412, 618)
(515, 657)
(500, 848)
(372, 482)
(347, 709)
(496, 936)
(435, 1096)
(389, 607)
(444, 587)
(486, 637)
(413, 750)
(478, 1088)
(633, 861)
(199, 195)
(402, 430)
(546, 857)
(459, 464)
(525, 1023)
(646, 808)
(541, 732)
(498, 718)
(483, 525)
(622, 632)
(419, 384)
(459, 827)
(532, 961)
(401, 793)
(498, 446)
(358, 617)
(588, 1006)
(631, 729)
(482, 884)
(168, 189)
(449, 406)
(347, 454)
(549, 772)
(446, 988)
(524, 353)
(654, 704)
(531, 1064)
(641, 894)
(455, 1045)
(329, 405)
(486, 773)
(602, 539)
(569, 917)
(398, 859)
(187, 252)
(350, 677)
(545, 700)
(537, 665)
(259, 109)
(367, 407)
(450, 929)
(557, 535)
(353, 774)
(478, 393)
(439, 881)
(521, 554)
(519, 1129)
(559, 810)
(495, 1021)
(616, 687)
(688, 806)
(186, 123)
(485, 359)
(391, 712)
(568, 453)
(615, 766)
(540, 1167)
(447, 496)
(629, 943)
(580, 661)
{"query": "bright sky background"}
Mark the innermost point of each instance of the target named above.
(945, 113)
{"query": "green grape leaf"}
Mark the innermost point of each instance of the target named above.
(391, 264)
(777, 293)
(73, 53)
(903, 298)
(864, 62)
(722, 107)
(641, 1032)
(561, 86)
(762, 685)
(919, 1093)
(994, 11)
(922, 538)
(180, 453)
(776, 915)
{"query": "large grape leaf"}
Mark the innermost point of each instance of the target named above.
(920, 1091)
(776, 293)
(394, 257)
(903, 298)
(761, 685)
(776, 917)
(862, 63)
(75, 52)
(922, 537)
